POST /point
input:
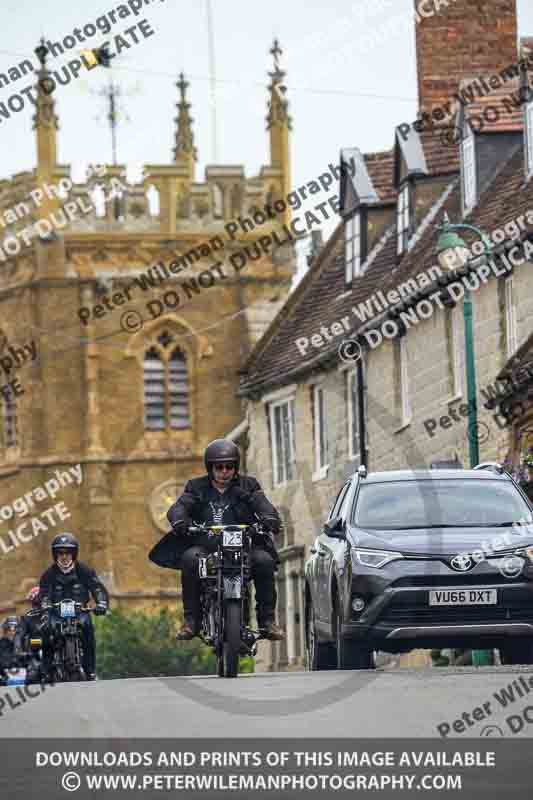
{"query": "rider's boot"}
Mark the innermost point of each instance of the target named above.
(267, 626)
(188, 630)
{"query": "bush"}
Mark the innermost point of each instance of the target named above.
(138, 645)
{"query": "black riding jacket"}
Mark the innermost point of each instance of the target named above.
(243, 502)
(7, 653)
(78, 585)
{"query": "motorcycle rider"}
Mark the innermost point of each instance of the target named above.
(32, 626)
(7, 647)
(221, 497)
(70, 579)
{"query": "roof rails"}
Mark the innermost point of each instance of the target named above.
(456, 464)
(493, 465)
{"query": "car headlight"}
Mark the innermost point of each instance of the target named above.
(375, 558)
(525, 552)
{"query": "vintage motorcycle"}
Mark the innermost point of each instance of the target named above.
(32, 659)
(67, 642)
(225, 576)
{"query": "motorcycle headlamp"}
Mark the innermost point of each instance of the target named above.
(375, 558)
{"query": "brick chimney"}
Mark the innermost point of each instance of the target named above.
(463, 38)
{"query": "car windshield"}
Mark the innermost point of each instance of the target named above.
(398, 505)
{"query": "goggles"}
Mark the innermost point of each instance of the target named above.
(224, 465)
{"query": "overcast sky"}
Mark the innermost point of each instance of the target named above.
(343, 91)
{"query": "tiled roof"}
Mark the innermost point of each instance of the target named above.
(321, 298)
(380, 169)
(506, 116)
(440, 147)
(442, 154)
(321, 301)
(504, 200)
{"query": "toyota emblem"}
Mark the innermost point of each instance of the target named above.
(461, 563)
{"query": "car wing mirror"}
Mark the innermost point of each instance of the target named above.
(335, 528)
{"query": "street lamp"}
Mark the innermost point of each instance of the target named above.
(453, 254)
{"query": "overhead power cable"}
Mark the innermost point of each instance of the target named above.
(250, 84)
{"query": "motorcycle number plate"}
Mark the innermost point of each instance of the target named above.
(67, 609)
(232, 539)
(17, 677)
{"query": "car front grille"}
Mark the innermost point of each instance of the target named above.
(454, 580)
(416, 614)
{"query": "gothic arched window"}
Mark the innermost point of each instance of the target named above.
(166, 386)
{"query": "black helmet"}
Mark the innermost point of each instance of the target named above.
(65, 541)
(221, 450)
(10, 622)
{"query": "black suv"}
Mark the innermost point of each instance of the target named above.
(429, 559)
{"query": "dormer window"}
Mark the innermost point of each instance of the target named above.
(402, 224)
(352, 245)
(529, 139)
(468, 160)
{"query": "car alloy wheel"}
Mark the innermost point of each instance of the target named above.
(517, 653)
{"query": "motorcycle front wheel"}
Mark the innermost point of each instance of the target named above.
(73, 669)
(232, 637)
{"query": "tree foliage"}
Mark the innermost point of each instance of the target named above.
(138, 645)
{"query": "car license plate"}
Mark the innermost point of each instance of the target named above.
(463, 597)
(67, 608)
(232, 539)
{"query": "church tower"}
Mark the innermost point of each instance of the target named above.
(140, 322)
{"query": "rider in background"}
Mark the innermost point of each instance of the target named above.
(222, 497)
(7, 646)
(32, 626)
(70, 579)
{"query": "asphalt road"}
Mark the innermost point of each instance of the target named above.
(400, 703)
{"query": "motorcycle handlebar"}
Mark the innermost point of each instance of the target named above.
(78, 606)
(202, 528)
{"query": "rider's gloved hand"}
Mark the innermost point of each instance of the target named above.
(101, 609)
(180, 528)
(269, 524)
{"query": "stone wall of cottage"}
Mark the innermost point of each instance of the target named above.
(306, 501)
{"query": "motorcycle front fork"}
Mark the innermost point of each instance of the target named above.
(209, 634)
